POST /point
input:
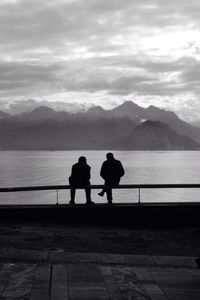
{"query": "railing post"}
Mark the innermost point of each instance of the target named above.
(57, 197)
(139, 202)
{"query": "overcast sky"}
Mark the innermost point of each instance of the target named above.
(102, 52)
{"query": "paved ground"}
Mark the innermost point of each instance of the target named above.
(55, 275)
(100, 238)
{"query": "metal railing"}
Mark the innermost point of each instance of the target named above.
(139, 187)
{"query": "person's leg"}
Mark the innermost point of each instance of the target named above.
(108, 190)
(72, 194)
(112, 183)
(109, 194)
(103, 190)
(88, 195)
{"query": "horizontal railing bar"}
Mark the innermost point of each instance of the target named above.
(99, 186)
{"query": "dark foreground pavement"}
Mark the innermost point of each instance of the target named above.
(59, 275)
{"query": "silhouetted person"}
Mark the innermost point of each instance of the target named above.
(80, 178)
(111, 171)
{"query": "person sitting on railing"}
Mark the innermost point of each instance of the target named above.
(111, 171)
(80, 178)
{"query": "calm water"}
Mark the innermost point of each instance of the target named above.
(26, 168)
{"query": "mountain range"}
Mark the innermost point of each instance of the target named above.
(127, 126)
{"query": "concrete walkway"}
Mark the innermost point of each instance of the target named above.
(57, 275)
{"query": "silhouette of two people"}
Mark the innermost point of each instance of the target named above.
(111, 171)
(80, 178)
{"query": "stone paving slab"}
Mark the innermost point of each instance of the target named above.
(59, 256)
(91, 281)
(175, 261)
(149, 284)
(137, 260)
(22, 255)
(68, 257)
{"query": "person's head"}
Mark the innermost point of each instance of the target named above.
(109, 156)
(82, 160)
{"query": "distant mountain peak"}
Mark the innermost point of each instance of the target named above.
(95, 109)
(131, 110)
(156, 135)
(43, 109)
(3, 114)
(128, 104)
(38, 114)
(149, 123)
(153, 107)
(158, 109)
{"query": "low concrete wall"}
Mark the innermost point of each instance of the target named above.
(120, 215)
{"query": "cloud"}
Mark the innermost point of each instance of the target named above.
(17, 78)
(21, 106)
(113, 48)
(58, 24)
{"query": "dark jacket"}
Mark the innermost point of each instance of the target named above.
(80, 176)
(112, 171)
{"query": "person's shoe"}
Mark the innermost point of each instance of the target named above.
(90, 203)
(110, 202)
(71, 202)
(101, 194)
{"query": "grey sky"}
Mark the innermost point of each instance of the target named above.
(102, 52)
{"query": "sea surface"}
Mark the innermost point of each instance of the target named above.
(32, 168)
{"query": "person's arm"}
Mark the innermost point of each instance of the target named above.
(72, 172)
(71, 176)
(102, 172)
(89, 173)
(122, 172)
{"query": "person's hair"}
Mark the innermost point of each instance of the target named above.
(109, 155)
(82, 159)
